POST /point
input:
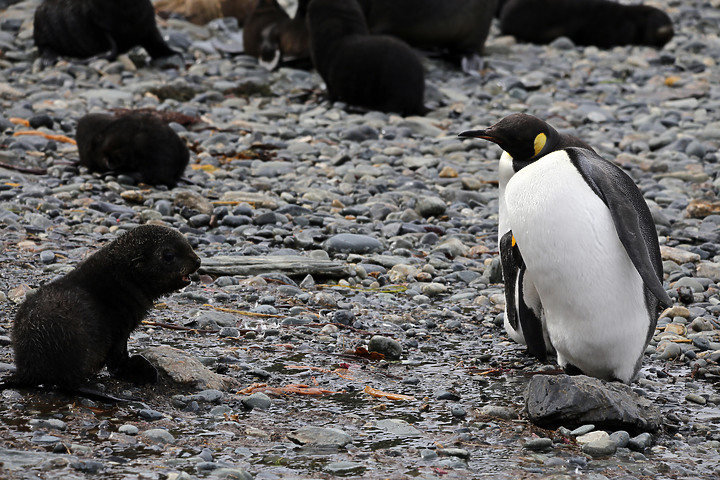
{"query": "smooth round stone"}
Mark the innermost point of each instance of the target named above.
(428, 454)
(668, 350)
(87, 466)
(47, 256)
(231, 474)
(592, 437)
(52, 423)
(128, 429)
(345, 468)
(150, 415)
(445, 395)
(695, 398)
(538, 444)
(433, 289)
(429, 206)
(498, 411)
(159, 435)
(582, 430)
(229, 332)
(310, 435)
(620, 438)
(454, 452)
(600, 448)
(258, 401)
(387, 346)
(352, 243)
(458, 411)
(398, 427)
(641, 442)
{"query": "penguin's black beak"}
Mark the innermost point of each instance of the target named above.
(485, 134)
(474, 134)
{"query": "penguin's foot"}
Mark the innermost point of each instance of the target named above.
(571, 369)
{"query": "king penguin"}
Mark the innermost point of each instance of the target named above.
(580, 249)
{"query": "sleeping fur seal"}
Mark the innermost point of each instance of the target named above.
(377, 72)
(601, 23)
(457, 28)
(139, 144)
(89, 28)
(70, 328)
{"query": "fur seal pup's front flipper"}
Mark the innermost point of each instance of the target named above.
(634, 224)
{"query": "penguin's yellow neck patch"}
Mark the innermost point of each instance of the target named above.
(513, 240)
(539, 142)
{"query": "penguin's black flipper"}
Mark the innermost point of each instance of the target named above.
(518, 312)
(530, 323)
(630, 214)
(510, 274)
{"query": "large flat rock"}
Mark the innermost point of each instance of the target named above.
(570, 401)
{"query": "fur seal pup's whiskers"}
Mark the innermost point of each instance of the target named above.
(70, 328)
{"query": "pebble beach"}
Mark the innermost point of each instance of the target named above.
(327, 233)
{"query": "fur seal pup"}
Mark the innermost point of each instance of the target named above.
(458, 28)
(601, 23)
(589, 244)
(274, 38)
(89, 28)
(377, 72)
(201, 12)
(70, 328)
(139, 144)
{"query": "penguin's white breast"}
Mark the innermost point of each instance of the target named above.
(505, 173)
(568, 240)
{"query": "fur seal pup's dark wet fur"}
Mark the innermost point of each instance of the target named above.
(274, 38)
(139, 144)
(601, 23)
(378, 72)
(70, 328)
(457, 27)
(89, 28)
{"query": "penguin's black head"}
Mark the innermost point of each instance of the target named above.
(524, 137)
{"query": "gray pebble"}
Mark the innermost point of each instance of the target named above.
(538, 444)
(392, 349)
(258, 401)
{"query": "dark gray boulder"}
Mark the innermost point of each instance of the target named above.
(562, 400)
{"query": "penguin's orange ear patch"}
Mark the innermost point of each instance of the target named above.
(513, 241)
(539, 142)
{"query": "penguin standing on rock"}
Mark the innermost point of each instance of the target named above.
(580, 245)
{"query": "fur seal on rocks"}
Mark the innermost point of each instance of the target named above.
(275, 38)
(139, 144)
(601, 23)
(377, 72)
(70, 328)
(458, 28)
(89, 28)
(201, 12)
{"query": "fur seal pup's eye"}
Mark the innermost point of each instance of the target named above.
(168, 256)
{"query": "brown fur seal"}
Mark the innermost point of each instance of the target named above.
(275, 38)
(201, 12)
(139, 144)
(378, 72)
(601, 23)
(457, 28)
(70, 328)
(89, 28)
